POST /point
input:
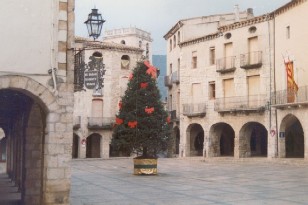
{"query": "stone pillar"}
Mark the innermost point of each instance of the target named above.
(305, 130)
(82, 150)
(182, 151)
(33, 158)
(236, 146)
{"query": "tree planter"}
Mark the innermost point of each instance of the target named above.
(143, 166)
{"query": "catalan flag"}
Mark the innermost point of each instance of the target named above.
(292, 87)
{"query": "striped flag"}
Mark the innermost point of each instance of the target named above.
(292, 87)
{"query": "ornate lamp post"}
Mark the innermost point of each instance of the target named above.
(90, 75)
(94, 24)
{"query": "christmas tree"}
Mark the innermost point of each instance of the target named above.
(142, 124)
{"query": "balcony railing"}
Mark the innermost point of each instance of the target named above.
(242, 103)
(175, 78)
(286, 97)
(77, 122)
(194, 110)
(174, 116)
(227, 64)
(251, 60)
(168, 82)
(100, 122)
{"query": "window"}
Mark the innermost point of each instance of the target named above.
(125, 62)
(170, 102)
(174, 41)
(229, 90)
(179, 64)
(194, 59)
(212, 55)
(179, 37)
(140, 44)
(228, 35)
(252, 29)
(288, 32)
(170, 68)
(123, 42)
(196, 93)
(147, 50)
(212, 90)
(97, 54)
(97, 108)
(170, 45)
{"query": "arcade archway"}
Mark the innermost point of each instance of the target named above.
(291, 138)
(93, 146)
(195, 135)
(221, 140)
(253, 140)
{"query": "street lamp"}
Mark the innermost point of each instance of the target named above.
(91, 74)
(94, 24)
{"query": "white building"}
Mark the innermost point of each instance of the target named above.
(182, 64)
(95, 109)
(36, 99)
(131, 36)
(224, 89)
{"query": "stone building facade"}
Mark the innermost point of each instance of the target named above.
(179, 70)
(36, 92)
(223, 89)
(131, 36)
(95, 109)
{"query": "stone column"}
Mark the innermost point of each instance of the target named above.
(236, 146)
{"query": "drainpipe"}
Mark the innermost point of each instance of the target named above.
(276, 121)
(272, 74)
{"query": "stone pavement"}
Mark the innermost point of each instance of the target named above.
(191, 181)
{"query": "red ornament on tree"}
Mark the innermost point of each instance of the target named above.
(132, 124)
(130, 76)
(168, 120)
(149, 110)
(151, 69)
(119, 121)
(143, 85)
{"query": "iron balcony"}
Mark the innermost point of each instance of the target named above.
(251, 60)
(100, 122)
(226, 64)
(241, 103)
(194, 109)
(289, 98)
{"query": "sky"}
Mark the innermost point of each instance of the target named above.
(159, 16)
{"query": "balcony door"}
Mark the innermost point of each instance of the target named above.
(229, 93)
(253, 48)
(253, 91)
(196, 93)
(97, 108)
(228, 56)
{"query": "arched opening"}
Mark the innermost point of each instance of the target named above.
(291, 138)
(123, 42)
(75, 146)
(221, 140)
(93, 146)
(37, 141)
(253, 140)
(97, 54)
(125, 60)
(195, 136)
(23, 121)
